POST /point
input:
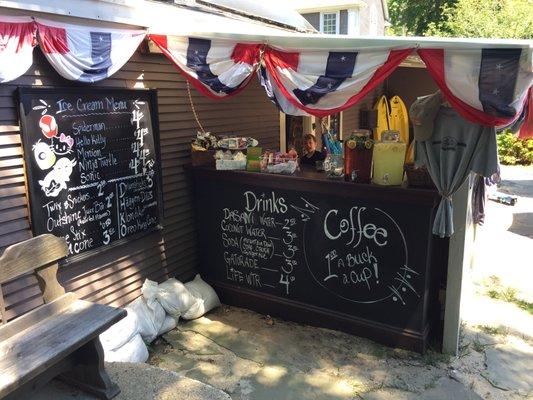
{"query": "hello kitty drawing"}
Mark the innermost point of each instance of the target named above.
(56, 180)
(62, 145)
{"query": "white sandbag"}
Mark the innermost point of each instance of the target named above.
(150, 314)
(205, 295)
(174, 297)
(169, 324)
(133, 351)
(120, 333)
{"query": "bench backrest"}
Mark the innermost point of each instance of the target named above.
(40, 255)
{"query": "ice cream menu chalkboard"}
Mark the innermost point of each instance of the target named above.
(92, 163)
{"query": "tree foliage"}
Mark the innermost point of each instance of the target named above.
(511, 19)
(513, 150)
(413, 17)
(463, 18)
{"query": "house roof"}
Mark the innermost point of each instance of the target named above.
(308, 6)
(276, 11)
(163, 16)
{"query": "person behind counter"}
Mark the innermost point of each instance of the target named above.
(312, 155)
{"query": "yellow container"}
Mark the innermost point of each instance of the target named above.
(388, 160)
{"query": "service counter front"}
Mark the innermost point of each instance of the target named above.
(355, 257)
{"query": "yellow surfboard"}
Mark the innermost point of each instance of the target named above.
(410, 154)
(382, 107)
(399, 119)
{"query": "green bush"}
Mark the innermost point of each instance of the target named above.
(514, 151)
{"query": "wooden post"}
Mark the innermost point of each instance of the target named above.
(282, 132)
(459, 260)
(318, 129)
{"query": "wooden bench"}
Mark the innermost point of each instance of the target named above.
(57, 339)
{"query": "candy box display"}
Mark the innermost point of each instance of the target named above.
(226, 160)
(253, 159)
(279, 163)
(237, 143)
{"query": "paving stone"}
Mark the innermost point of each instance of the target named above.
(275, 382)
(449, 389)
(510, 366)
(389, 394)
(139, 382)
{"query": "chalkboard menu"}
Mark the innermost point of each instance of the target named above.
(364, 257)
(92, 163)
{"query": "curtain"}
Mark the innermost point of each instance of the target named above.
(84, 53)
(455, 148)
(487, 86)
(323, 82)
(217, 68)
(16, 46)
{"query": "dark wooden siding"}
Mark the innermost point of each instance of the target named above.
(400, 83)
(350, 117)
(115, 277)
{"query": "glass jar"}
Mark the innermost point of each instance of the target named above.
(389, 156)
(334, 166)
(358, 156)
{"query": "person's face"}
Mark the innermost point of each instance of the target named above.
(310, 145)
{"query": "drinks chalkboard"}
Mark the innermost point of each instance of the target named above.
(92, 163)
(366, 258)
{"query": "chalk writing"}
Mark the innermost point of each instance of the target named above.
(93, 164)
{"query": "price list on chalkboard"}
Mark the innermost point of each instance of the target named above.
(260, 243)
(351, 256)
(92, 164)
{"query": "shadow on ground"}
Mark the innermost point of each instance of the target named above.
(250, 357)
(522, 224)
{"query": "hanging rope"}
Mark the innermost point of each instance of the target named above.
(193, 109)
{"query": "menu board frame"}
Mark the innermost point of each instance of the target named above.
(150, 95)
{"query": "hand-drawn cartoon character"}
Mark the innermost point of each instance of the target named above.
(44, 155)
(62, 145)
(56, 180)
(48, 126)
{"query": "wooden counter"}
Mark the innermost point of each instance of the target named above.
(355, 257)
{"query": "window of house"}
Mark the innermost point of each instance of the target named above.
(329, 23)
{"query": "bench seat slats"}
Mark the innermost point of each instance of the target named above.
(38, 314)
(45, 342)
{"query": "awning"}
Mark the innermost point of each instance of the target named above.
(486, 80)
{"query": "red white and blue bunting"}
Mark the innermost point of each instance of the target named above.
(86, 54)
(487, 86)
(326, 82)
(217, 68)
(16, 46)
